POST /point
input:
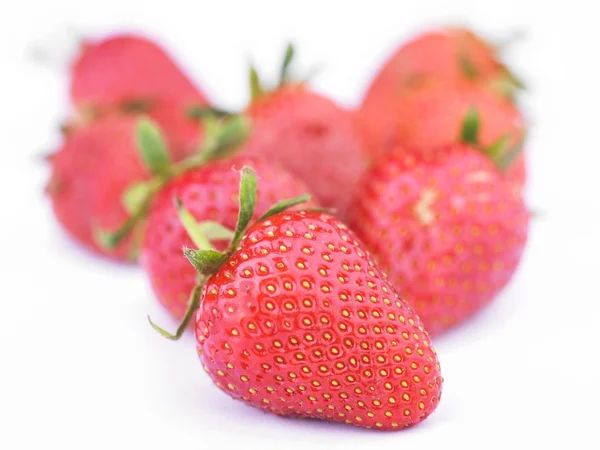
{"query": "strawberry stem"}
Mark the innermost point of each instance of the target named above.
(193, 304)
(470, 127)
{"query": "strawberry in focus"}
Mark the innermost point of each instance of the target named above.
(447, 227)
(295, 318)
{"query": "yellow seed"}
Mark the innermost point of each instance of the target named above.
(252, 391)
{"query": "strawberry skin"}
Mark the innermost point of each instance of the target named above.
(450, 54)
(209, 193)
(125, 69)
(313, 138)
(446, 226)
(98, 162)
(431, 114)
(301, 322)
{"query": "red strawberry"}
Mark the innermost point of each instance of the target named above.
(124, 71)
(96, 165)
(448, 54)
(295, 318)
(447, 227)
(209, 193)
(432, 114)
(311, 136)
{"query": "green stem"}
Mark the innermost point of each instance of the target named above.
(193, 304)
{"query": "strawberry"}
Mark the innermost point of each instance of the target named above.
(209, 193)
(96, 165)
(128, 71)
(449, 54)
(434, 114)
(446, 226)
(309, 135)
(295, 318)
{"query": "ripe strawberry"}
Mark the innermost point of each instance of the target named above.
(311, 136)
(96, 165)
(449, 54)
(295, 318)
(433, 114)
(126, 71)
(209, 193)
(446, 226)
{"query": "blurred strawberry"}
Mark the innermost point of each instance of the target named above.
(448, 54)
(97, 164)
(208, 193)
(445, 225)
(128, 72)
(432, 113)
(308, 134)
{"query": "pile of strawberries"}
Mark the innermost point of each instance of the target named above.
(312, 248)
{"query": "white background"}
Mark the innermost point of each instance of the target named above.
(81, 369)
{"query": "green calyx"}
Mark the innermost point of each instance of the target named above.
(205, 259)
(222, 138)
(257, 88)
(501, 152)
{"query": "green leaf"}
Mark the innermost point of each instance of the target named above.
(137, 106)
(152, 146)
(247, 203)
(467, 67)
(470, 127)
(192, 227)
(193, 304)
(256, 89)
(205, 262)
(508, 158)
(214, 231)
(283, 205)
(135, 196)
(498, 149)
(201, 112)
(287, 59)
(110, 240)
(231, 135)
